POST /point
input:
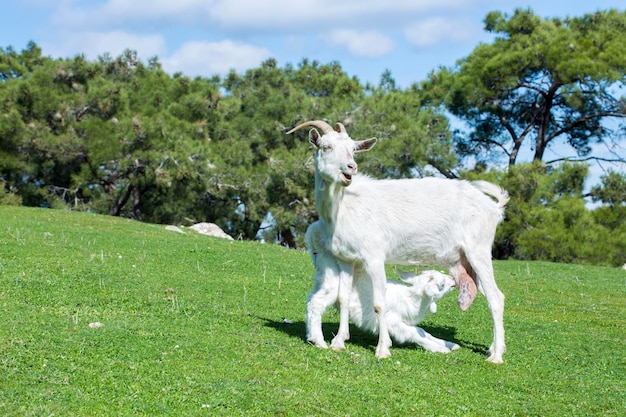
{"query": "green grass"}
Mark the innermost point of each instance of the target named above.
(195, 326)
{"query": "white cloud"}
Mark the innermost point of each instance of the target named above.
(115, 14)
(246, 15)
(370, 44)
(365, 28)
(210, 58)
(94, 44)
(437, 30)
(320, 13)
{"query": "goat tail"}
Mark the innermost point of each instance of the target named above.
(493, 190)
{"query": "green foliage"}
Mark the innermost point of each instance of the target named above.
(543, 81)
(547, 218)
(540, 81)
(120, 137)
(111, 135)
(14, 65)
(265, 169)
(194, 325)
(612, 189)
(413, 140)
(566, 231)
(8, 198)
(268, 171)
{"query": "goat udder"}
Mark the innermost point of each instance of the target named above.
(467, 290)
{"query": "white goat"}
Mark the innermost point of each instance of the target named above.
(407, 305)
(431, 221)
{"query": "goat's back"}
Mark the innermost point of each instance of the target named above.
(416, 221)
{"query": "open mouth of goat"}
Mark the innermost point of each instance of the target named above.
(347, 178)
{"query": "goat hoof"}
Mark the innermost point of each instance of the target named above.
(321, 345)
(383, 354)
(336, 346)
(495, 360)
(494, 357)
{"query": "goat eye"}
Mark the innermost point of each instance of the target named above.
(327, 148)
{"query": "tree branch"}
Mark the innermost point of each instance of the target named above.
(589, 158)
(582, 120)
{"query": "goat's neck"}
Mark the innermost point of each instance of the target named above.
(328, 196)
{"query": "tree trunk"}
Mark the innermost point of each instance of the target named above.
(120, 202)
(136, 203)
(545, 119)
(287, 239)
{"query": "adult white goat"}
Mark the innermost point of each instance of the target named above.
(428, 221)
(407, 304)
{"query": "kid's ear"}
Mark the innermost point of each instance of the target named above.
(405, 275)
(431, 290)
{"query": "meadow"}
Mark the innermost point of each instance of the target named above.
(102, 316)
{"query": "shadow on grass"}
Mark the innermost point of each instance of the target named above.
(358, 337)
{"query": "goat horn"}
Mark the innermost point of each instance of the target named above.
(339, 127)
(325, 127)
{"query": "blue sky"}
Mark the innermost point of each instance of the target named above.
(207, 37)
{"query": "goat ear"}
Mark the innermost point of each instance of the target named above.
(314, 137)
(340, 128)
(431, 289)
(364, 145)
(405, 276)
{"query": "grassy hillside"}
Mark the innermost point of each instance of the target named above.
(194, 325)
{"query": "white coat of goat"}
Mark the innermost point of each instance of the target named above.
(428, 221)
(407, 304)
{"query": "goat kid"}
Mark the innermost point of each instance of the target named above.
(407, 304)
(367, 223)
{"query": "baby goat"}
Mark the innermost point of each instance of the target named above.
(407, 304)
